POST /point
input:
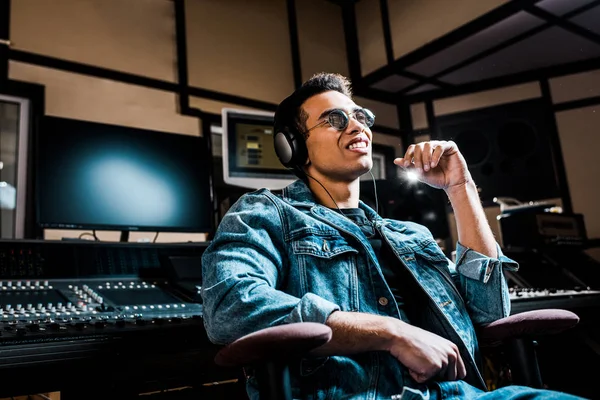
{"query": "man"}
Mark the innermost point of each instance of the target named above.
(401, 312)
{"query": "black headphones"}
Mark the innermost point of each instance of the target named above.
(290, 148)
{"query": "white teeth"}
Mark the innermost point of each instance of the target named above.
(358, 145)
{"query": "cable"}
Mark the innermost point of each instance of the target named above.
(87, 234)
(375, 193)
(334, 202)
(95, 237)
(327, 191)
(155, 237)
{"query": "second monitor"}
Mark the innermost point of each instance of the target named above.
(249, 158)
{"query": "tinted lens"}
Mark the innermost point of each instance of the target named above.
(365, 117)
(338, 119)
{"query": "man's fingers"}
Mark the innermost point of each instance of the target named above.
(427, 150)
(436, 155)
(461, 370)
(449, 373)
(418, 157)
(408, 156)
(420, 378)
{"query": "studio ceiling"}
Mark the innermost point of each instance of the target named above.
(511, 43)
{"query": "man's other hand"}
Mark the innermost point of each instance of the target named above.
(437, 163)
(426, 354)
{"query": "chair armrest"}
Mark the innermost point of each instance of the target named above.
(277, 342)
(527, 324)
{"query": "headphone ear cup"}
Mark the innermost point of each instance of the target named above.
(290, 148)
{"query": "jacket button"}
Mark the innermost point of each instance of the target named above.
(383, 301)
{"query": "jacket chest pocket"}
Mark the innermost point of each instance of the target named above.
(328, 268)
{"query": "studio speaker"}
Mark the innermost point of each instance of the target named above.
(403, 200)
(507, 149)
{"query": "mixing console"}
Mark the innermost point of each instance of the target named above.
(50, 309)
(525, 299)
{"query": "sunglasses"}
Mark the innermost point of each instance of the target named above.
(339, 120)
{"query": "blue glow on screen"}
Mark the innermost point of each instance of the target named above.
(95, 175)
(152, 202)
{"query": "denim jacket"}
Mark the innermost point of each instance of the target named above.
(284, 259)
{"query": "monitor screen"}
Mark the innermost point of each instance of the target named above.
(97, 176)
(249, 158)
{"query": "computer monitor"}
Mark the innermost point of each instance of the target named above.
(97, 176)
(249, 158)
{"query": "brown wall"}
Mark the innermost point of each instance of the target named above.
(129, 36)
(321, 38)
(240, 47)
(580, 139)
(234, 47)
(369, 28)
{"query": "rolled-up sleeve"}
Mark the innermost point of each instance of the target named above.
(475, 265)
(482, 281)
(312, 308)
(242, 270)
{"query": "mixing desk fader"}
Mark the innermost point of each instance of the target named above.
(45, 310)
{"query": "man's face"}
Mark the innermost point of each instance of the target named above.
(336, 155)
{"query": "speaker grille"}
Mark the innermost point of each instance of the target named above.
(507, 149)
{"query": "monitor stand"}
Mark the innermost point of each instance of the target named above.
(124, 236)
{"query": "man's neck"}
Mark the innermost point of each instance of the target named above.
(345, 194)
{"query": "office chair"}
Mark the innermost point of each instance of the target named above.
(271, 351)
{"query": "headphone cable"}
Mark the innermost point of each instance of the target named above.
(336, 204)
(375, 193)
(327, 191)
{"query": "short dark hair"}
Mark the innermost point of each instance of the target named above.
(289, 113)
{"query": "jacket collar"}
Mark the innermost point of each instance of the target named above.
(299, 194)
